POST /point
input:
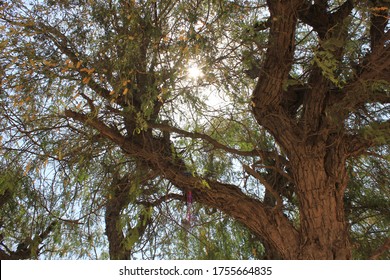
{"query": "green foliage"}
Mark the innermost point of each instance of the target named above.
(367, 205)
(214, 237)
(329, 65)
(123, 64)
(21, 217)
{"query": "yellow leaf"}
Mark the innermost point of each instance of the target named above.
(69, 63)
(32, 63)
(378, 9)
(28, 167)
(18, 87)
(78, 65)
(124, 83)
(89, 71)
(49, 63)
(185, 50)
(86, 80)
(45, 162)
(125, 91)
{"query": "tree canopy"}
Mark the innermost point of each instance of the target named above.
(170, 129)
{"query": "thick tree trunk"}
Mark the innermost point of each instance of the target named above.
(323, 229)
(117, 201)
(120, 196)
(317, 157)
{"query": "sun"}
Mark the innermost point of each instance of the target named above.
(194, 72)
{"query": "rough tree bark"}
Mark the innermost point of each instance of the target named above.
(121, 194)
(318, 171)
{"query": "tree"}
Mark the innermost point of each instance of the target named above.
(28, 227)
(295, 151)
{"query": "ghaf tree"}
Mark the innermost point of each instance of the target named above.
(111, 74)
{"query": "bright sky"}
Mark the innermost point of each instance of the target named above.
(194, 71)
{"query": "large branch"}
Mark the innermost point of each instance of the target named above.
(375, 134)
(269, 223)
(375, 70)
(66, 47)
(108, 132)
(279, 55)
(317, 16)
(216, 144)
(329, 26)
(381, 250)
(29, 248)
(268, 94)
